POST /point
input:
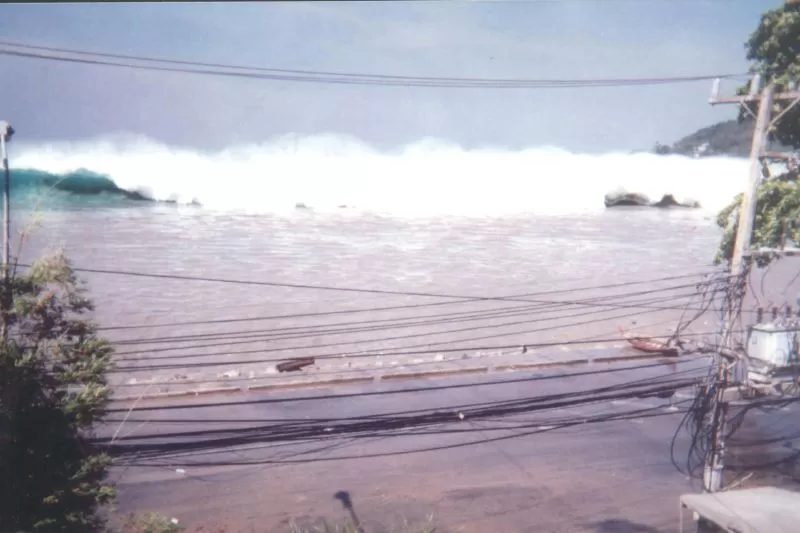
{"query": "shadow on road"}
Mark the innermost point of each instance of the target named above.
(620, 525)
(347, 502)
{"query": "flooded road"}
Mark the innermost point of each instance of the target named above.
(597, 465)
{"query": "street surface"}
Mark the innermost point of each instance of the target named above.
(596, 477)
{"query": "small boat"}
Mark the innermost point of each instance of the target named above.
(648, 345)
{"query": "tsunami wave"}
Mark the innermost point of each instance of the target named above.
(328, 173)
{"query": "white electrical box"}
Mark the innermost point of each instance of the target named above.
(772, 353)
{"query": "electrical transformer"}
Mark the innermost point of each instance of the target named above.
(772, 354)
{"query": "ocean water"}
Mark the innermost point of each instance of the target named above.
(427, 218)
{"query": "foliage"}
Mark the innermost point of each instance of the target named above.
(662, 149)
(351, 527)
(778, 201)
(729, 138)
(155, 523)
(774, 48)
(149, 523)
(52, 390)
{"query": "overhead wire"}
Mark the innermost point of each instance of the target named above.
(389, 392)
(345, 304)
(390, 351)
(515, 298)
(597, 301)
(648, 386)
(229, 339)
(174, 381)
(403, 322)
(404, 350)
(609, 372)
(150, 59)
(180, 277)
(705, 413)
(460, 300)
(340, 78)
(435, 415)
(648, 412)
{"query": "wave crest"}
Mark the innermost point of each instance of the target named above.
(430, 177)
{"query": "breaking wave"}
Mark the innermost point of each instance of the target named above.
(329, 172)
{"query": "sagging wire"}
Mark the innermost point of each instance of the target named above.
(702, 416)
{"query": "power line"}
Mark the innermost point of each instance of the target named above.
(330, 73)
(387, 424)
(266, 337)
(545, 306)
(341, 78)
(180, 277)
(286, 421)
(637, 413)
(656, 385)
(464, 299)
(373, 393)
(437, 415)
(195, 381)
(151, 59)
(428, 345)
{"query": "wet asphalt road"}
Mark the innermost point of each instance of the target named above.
(610, 476)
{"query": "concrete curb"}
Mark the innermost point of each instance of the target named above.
(485, 369)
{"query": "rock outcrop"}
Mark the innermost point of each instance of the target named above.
(625, 199)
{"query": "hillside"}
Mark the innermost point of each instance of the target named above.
(729, 138)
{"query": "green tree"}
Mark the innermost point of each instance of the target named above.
(774, 49)
(52, 390)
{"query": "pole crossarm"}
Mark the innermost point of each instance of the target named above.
(778, 97)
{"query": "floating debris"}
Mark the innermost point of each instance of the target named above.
(295, 365)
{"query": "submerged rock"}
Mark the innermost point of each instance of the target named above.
(625, 199)
(669, 201)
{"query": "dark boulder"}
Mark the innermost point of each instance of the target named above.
(625, 199)
(669, 201)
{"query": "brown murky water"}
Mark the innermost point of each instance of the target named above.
(245, 328)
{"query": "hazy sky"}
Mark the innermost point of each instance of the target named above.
(507, 38)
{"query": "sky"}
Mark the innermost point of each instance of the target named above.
(50, 101)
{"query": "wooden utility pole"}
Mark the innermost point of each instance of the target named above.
(747, 211)
(6, 131)
(714, 467)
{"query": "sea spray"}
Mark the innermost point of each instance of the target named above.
(427, 178)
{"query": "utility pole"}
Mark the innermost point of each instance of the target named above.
(714, 467)
(6, 131)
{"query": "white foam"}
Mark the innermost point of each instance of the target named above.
(428, 178)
